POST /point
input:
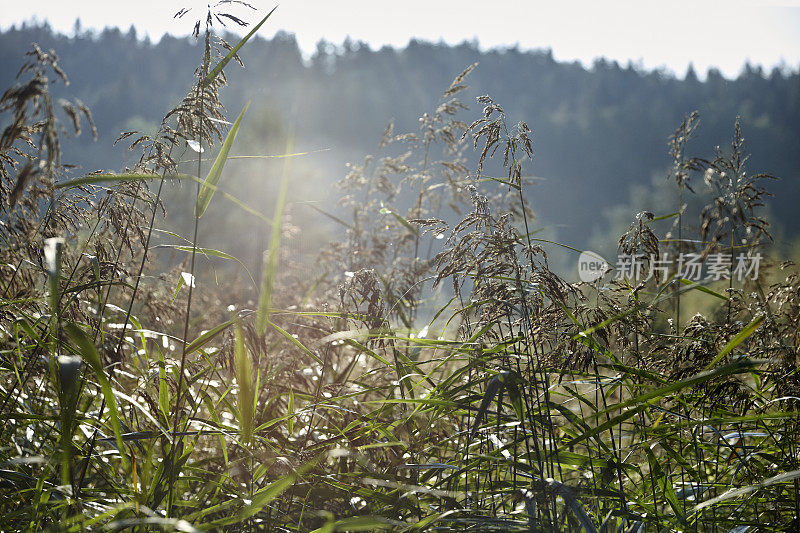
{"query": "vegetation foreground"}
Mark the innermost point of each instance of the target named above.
(433, 376)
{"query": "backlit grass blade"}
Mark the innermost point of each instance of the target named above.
(244, 378)
(224, 61)
(430, 519)
(405, 223)
(290, 412)
(52, 251)
(69, 370)
(132, 524)
(736, 341)
(208, 335)
(701, 288)
(631, 407)
(332, 217)
(92, 179)
(663, 482)
(288, 336)
(207, 252)
(206, 191)
(735, 493)
(270, 492)
(359, 523)
(92, 358)
(270, 269)
(227, 195)
(163, 390)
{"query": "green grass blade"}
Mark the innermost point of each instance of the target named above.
(358, 523)
(208, 335)
(244, 378)
(405, 223)
(207, 252)
(273, 490)
(224, 61)
(163, 390)
(92, 358)
(290, 412)
(92, 179)
(701, 288)
(227, 195)
(206, 192)
(780, 478)
(270, 269)
(633, 406)
(330, 216)
(288, 336)
(429, 520)
(664, 483)
(53, 248)
(737, 340)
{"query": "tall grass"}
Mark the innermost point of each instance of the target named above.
(438, 375)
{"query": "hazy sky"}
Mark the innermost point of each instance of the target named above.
(666, 33)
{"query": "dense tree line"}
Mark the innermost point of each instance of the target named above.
(596, 131)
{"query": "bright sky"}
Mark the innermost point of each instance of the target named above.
(667, 33)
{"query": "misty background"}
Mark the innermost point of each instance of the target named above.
(600, 132)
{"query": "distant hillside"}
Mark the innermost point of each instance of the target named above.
(596, 131)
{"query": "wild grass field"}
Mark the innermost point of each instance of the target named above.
(429, 376)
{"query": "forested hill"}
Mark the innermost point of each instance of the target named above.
(596, 131)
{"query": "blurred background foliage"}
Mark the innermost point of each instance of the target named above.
(599, 133)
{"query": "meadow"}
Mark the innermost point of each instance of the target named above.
(433, 374)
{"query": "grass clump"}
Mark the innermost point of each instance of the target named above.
(436, 375)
